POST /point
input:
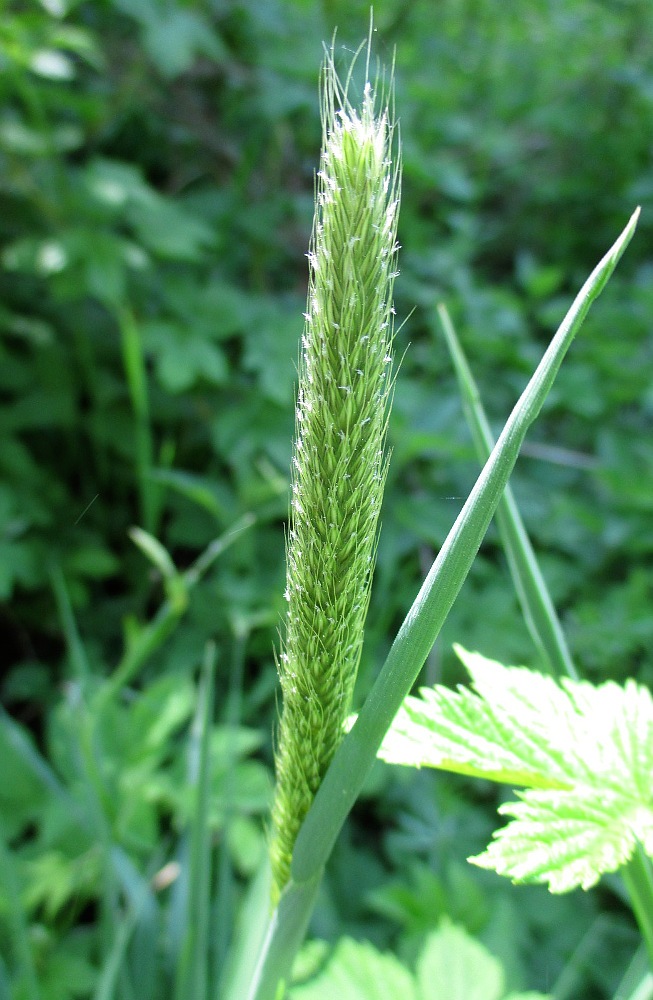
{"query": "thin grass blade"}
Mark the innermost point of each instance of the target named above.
(76, 651)
(134, 362)
(285, 933)
(226, 880)
(114, 963)
(191, 980)
(249, 936)
(637, 983)
(638, 879)
(169, 614)
(118, 973)
(537, 606)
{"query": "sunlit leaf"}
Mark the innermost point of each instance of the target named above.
(357, 971)
(584, 753)
(452, 965)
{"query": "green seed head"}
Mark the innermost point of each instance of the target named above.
(339, 461)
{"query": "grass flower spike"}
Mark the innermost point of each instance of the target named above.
(339, 461)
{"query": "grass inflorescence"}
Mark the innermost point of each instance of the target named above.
(339, 460)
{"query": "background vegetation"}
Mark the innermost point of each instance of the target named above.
(156, 184)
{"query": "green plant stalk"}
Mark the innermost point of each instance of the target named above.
(637, 981)
(252, 928)
(339, 461)
(225, 881)
(537, 606)
(285, 935)
(357, 753)
(192, 971)
(88, 754)
(134, 362)
(168, 615)
(76, 652)
(115, 962)
(117, 972)
(638, 879)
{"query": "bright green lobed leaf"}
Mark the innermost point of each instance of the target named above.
(584, 752)
(458, 967)
(357, 971)
(569, 839)
(452, 965)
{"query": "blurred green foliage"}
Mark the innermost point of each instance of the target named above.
(156, 184)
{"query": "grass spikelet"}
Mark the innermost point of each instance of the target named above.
(339, 460)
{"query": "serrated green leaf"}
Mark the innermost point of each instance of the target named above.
(458, 967)
(357, 971)
(452, 965)
(462, 732)
(567, 840)
(584, 752)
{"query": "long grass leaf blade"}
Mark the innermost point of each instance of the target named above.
(249, 935)
(534, 597)
(637, 982)
(134, 363)
(114, 963)
(76, 651)
(225, 881)
(115, 979)
(142, 921)
(193, 962)
(638, 879)
(285, 934)
(169, 614)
